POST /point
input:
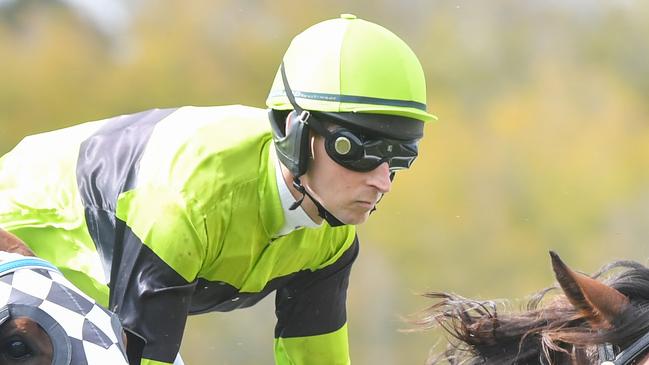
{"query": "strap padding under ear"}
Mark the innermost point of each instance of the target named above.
(292, 147)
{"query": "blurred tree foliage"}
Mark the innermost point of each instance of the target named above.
(542, 143)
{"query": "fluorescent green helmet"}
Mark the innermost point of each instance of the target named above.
(357, 75)
(363, 79)
(352, 65)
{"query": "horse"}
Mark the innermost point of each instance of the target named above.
(591, 321)
(45, 319)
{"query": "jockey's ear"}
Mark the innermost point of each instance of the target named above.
(598, 302)
(13, 244)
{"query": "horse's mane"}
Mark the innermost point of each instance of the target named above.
(549, 330)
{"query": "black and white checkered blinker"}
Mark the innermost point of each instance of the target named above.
(81, 331)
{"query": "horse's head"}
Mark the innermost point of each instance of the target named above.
(23, 341)
(592, 322)
(622, 319)
(45, 319)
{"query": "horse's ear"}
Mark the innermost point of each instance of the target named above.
(598, 302)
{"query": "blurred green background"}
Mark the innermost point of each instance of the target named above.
(542, 142)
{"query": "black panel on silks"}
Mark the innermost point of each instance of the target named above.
(314, 302)
(107, 166)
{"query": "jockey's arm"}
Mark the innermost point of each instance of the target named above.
(311, 315)
(153, 281)
(153, 278)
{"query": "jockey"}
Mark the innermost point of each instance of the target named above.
(171, 212)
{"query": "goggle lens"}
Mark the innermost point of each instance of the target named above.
(399, 155)
(359, 152)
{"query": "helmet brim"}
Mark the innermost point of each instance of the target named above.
(383, 125)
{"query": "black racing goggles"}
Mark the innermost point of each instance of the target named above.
(360, 152)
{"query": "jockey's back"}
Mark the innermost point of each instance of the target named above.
(173, 212)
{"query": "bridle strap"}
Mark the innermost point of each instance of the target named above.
(606, 352)
(630, 353)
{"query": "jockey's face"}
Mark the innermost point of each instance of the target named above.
(349, 195)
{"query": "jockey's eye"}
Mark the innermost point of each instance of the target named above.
(16, 349)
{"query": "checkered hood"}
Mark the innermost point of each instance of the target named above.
(81, 331)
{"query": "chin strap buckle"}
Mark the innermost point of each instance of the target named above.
(304, 116)
(298, 185)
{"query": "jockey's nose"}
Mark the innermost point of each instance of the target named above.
(380, 178)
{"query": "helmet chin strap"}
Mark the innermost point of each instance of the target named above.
(322, 212)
